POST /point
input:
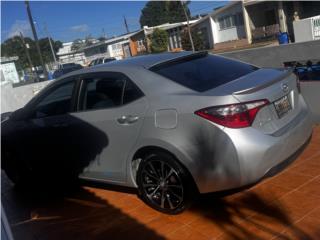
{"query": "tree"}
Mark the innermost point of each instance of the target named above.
(88, 40)
(101, 39)
(14, 47)
(159, 41)
(197, 38)
(159, 12)
(46, 49)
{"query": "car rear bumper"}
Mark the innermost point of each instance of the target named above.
(257, 154)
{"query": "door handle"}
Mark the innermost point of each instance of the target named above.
(127, 119)
(132, 119)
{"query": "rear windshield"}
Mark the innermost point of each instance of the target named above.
(203, 71)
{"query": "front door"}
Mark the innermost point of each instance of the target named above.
(113, 104)
(45, 136)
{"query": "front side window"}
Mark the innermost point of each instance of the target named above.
(57, 102)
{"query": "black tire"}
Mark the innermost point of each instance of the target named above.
(166, 193)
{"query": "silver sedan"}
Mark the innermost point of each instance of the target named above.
(171, 125)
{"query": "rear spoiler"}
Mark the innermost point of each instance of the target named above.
(286, 73)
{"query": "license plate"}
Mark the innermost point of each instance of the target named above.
(282, 106)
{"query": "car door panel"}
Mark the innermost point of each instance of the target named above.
(119, 122)
(110, 165)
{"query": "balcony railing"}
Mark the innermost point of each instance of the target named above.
(264, 32)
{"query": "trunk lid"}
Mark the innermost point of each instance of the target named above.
(273, 85)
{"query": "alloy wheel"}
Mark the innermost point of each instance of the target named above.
(162, 185)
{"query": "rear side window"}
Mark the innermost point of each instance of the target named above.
(103, 92)
(107, 90)
(131, 92)
(203, 72)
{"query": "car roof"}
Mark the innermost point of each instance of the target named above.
(144, 61)
(149, 60)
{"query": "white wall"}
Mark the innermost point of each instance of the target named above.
(232, 33)
(207, 23)
(14, 98)
(304, 29)
(118, 53)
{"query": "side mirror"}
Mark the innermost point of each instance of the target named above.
(19, 114)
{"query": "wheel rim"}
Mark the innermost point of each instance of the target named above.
(162, 184)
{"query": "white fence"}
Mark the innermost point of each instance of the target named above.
(316, 27)
(14, 98)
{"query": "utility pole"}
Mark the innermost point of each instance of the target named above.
(36, 39)
(49, 38)
(126, 24)
(26, 49)
(103, 33)
(188, 26)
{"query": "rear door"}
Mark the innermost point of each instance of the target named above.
(111, 103)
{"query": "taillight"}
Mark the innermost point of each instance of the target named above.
(234, 115)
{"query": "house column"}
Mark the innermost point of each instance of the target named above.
(246, 20)
(296, 10)
(212, 32)
(282, 18)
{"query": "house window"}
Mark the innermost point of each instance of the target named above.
(116, 46)
(140, 45)
(175, 38)
(230, 21)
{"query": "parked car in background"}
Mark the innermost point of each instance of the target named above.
(101, 61)
(171, 125)
(41, 75)
(308, 70)
(66, 68)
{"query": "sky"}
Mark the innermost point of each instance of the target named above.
(69, 20)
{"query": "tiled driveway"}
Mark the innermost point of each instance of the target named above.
(283, 207)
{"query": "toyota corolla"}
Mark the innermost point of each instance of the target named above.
(171, 125)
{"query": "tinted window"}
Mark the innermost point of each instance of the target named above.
(203, 71)
(108, 60)
(57, 102)
(131, 92)
(103, 92)
(99, 61)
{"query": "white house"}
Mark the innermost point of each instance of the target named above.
(117, 47)
(264, 19)
(66, 55)
(250, 21)
(222, 25)
(140, 43)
